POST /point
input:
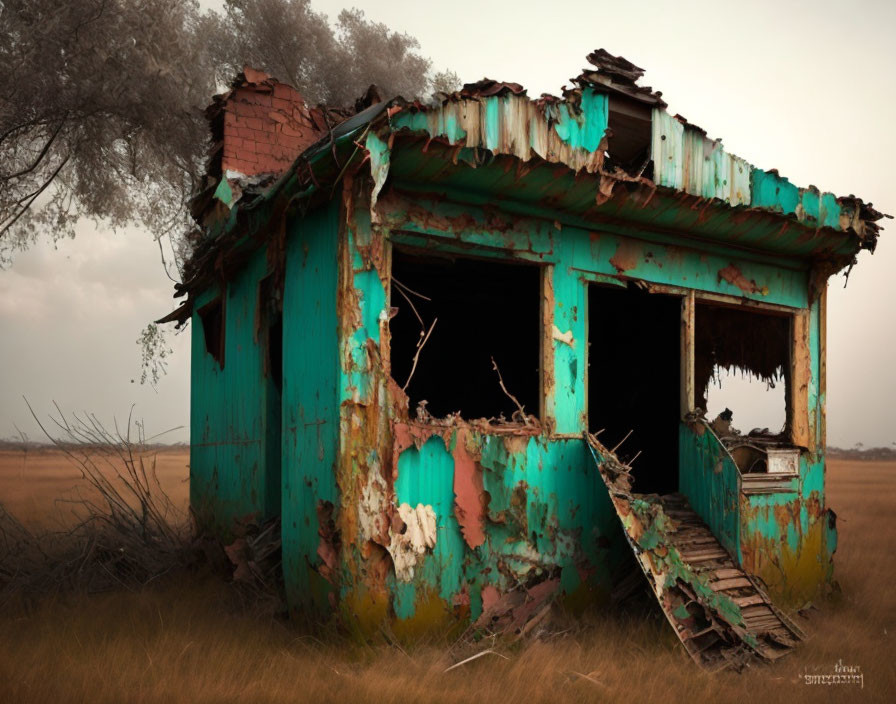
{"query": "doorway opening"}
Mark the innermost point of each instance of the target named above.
(634, 380)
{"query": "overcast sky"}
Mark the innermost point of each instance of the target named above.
(804, 87)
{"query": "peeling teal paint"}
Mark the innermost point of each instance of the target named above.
(426, 476)
(577, 251)
(584, 129)
(769, 190)
(565, 524)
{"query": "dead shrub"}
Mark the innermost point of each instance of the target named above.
(128, 531)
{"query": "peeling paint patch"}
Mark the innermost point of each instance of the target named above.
(565, 337)
(409, 547)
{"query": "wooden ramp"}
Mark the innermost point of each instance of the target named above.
(721, 615)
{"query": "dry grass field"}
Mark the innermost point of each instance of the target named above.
(187, 639)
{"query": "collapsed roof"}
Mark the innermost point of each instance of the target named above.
(607, 151)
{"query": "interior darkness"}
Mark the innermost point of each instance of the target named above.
(212, 317)
(630, 136)
(275, 350)
(634, 382)
(270, 323)
(484, 310)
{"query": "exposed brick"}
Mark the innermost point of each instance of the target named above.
(290, 132)
(281, 90)
(262, 99)
(266, 126)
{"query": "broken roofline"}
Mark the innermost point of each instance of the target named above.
(572, 131)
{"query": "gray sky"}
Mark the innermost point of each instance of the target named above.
(804, 87)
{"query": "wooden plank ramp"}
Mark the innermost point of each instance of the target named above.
(722, 616)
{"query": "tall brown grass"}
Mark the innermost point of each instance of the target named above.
(187, 637)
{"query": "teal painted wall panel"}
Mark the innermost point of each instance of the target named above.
(234, 427)
(426, 476)
(207, 426)
(549, 514)
(708, 477)
(310, 399)
(605, 253)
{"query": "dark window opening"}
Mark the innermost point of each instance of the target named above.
(275, 351)
(468, 312)
(212, 317)
(628, 146)
(741, 370)
(269, 338)
(634, 381)
(270, 325)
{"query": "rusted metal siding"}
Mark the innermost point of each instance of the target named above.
(387, 519)
(580, 251)
(788, 538)
(435, 477)
(684, 159)
(565, 133)
(232, 475)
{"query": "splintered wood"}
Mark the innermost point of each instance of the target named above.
(721, 615)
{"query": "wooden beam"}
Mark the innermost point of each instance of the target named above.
(800, 374)
(687, 353)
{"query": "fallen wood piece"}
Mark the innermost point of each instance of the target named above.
(476, 656)
(589, 678)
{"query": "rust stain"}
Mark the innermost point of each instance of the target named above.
(735, 277)
(627, 255)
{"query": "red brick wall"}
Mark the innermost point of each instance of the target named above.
(266, 126)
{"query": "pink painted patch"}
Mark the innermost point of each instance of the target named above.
(469, 495)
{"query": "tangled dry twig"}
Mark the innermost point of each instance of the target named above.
(128, 531)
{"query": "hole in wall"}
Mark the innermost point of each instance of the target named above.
(628, 146)
(760, 404)
(741, 365)
(212, 317)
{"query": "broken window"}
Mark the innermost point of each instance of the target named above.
(212, 317)
(634, 380)
(741, 365)
(466, 335)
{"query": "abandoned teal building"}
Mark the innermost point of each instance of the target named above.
(404, 329)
